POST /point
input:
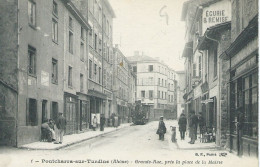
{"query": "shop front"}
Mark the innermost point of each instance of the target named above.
(71, 112)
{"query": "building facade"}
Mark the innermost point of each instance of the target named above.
(156, 86)
(219, 70)
(42, 30)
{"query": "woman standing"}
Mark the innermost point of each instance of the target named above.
(182, 125)
(161, 129)
(94, 123)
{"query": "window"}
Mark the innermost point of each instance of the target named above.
(70, 23)
(200, 65)
(32, 12)
(159, 81)
(95, 69)
(90, 69)
(194, 70)
(134, 68)
(95, 42)
(31, 60)
(55, 8)
(159, 93)
(171, 98)
(81, 83)
(99, 75)
(31, 119)
(54, 30)
(150, 68)
(162, 82)
(71, 42)
(143, 94)
(150, 94)
(250, 91)
(90, 38)
(54, 75)
(165, 96)
(82, 33)
(99, 46)
(44, 111)
(82, 51)
(70, 77)
(215, 62)
(162, 94)
(165, 83)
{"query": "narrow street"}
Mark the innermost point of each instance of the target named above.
(137, 145)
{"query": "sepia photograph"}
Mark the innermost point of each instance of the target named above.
(129, 83)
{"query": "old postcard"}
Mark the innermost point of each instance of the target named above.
(142, 83)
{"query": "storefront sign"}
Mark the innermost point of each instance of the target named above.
(246, 66)
(216, 13)
(45, 78)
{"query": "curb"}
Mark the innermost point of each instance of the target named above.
(76, 142)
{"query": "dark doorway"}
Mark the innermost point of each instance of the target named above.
(44, 111)
(54, 111)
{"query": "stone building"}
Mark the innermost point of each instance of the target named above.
(42, 67)
(180, 77)
(156, 86)
(123, 86)
(240, 86)
(221, 70)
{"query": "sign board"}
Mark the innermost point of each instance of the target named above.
(45, 78)
(219, 12)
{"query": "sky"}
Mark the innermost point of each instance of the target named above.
(142, 25)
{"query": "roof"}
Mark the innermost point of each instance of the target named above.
(106, 2)
(247, 35)
(139, 58)
(211, 32)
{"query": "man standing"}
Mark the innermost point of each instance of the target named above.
(102, 122)
(61, 126)
(94, 123)
(182, 125)
(193, 127)
(161, 129)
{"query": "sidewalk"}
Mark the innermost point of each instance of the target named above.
(184, 144)
(69, 140)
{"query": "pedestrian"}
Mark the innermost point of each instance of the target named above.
(102, 122)
(47, 130)
(193, 127)
(182, 125)
(61, 127)
(113, 119)
(201, 123)
(94, 123)
(161, 129)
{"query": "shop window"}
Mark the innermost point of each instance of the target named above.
(31, 112)
(44, 111)
(250, 91)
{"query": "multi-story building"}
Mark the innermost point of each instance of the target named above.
(239, 81)
(123, 86)
(221, 69)
(155, 86)
(180, 77)
(42, 68)
(100, 15)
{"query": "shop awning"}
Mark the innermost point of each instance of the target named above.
(212, 32)
(97, 94)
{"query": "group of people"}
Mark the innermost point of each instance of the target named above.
(49, 128)
(194, 122)
(95, 122)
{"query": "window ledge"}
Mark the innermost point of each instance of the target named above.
(32, 26)
(56, 42)
(32, 75)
